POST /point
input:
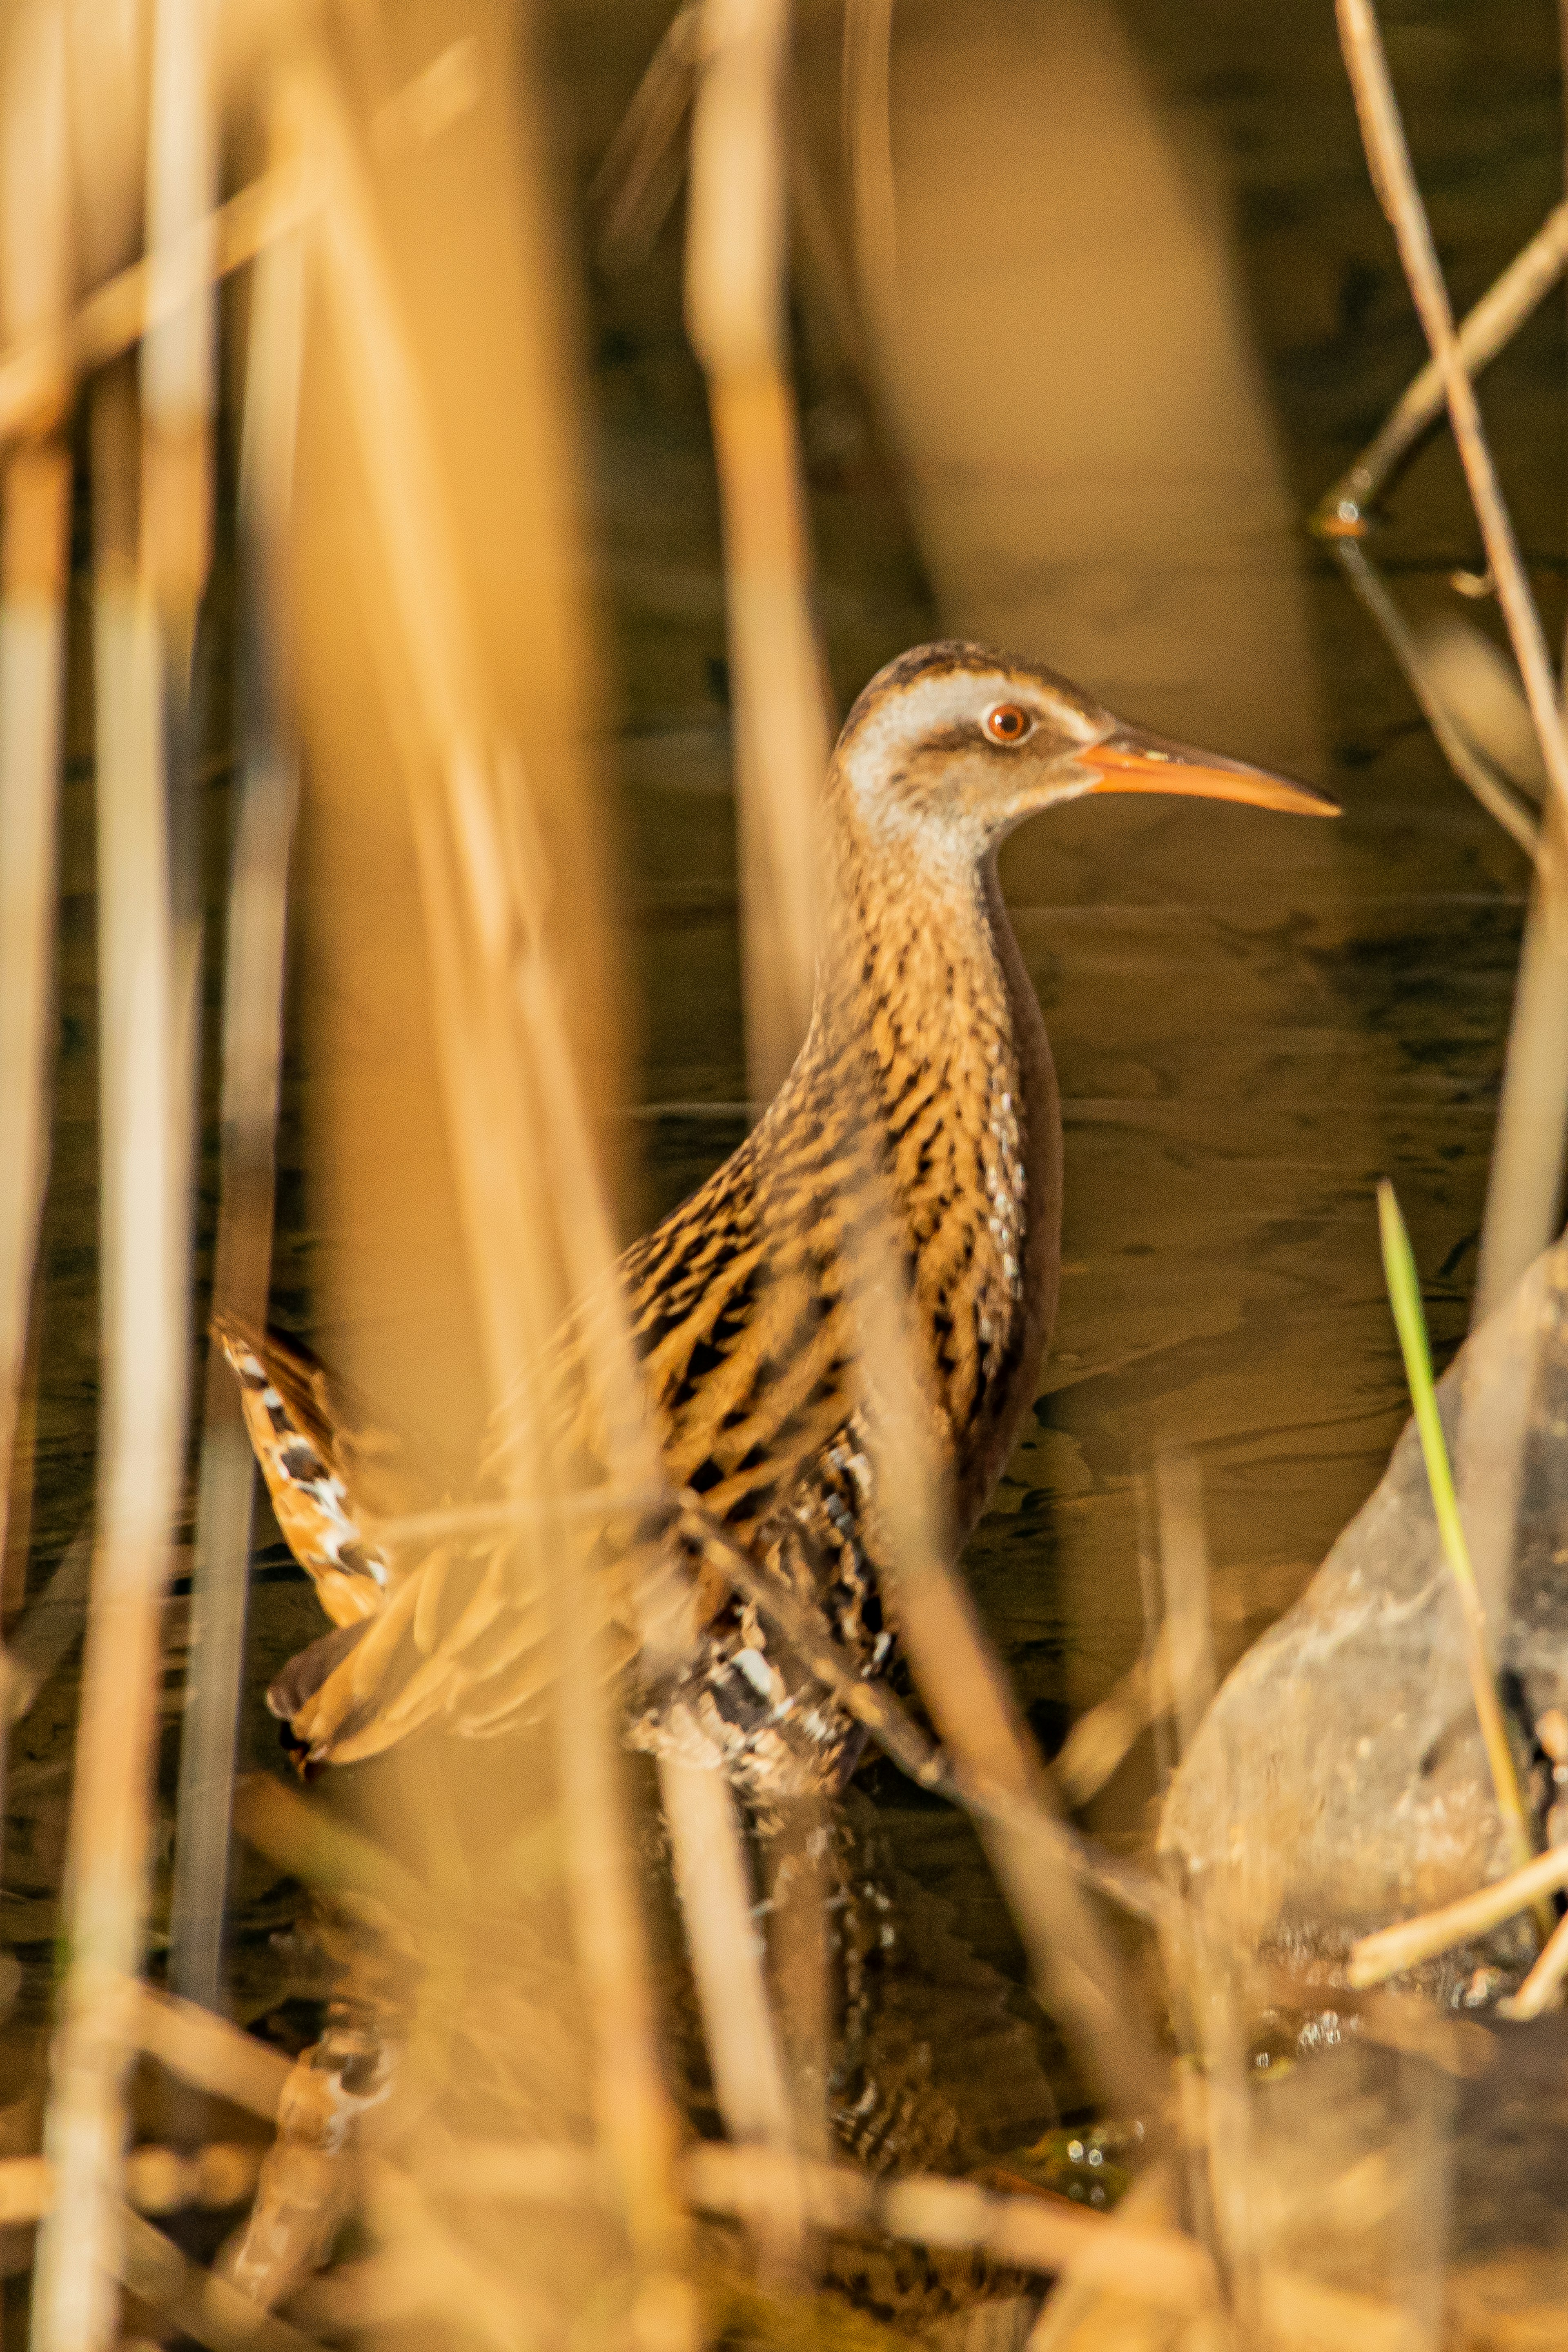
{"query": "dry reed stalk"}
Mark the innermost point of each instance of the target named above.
(36, 259)
(1524, 1187)
(1542, 1989)
(1184, 1572)
(1492, 322)
(51, 1624)
(1391, 1950)
(419, 1529)
(1496, 794)
(867, 132)
(734, 310)
(824, 280)
(1388, 157)
(1405, 1296)
(1099, 1741)
(157, 2179)
(1041, 2232)
(794, 1904)
(178, 351)
(1077, 1976)
(735, 279)
(1200, 1946)
(207, 2051)
(192, 2302)
(640, 174)
(252, 1056)
(483, 893)
(870, 1702)
(742, 2040)
(1083, 2315)
(1527, 1159)
(138, 298)
(141, 1430)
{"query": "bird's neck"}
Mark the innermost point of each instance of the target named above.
(921, 985)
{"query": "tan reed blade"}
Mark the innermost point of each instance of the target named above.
(511, 1082)
(734, 309)
(35, 260)
(252, 1054)
(141, 1429)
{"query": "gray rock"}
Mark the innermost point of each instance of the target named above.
(1338, 1783)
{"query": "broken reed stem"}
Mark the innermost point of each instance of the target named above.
(1493, 321)
(140, 1431)
(488, 955)
(1405, 1296)
(252, 1058)
(734, 309)
(1391, 1950)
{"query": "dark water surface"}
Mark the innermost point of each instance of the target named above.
(1147, 311)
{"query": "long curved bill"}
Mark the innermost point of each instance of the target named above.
(1133, 760)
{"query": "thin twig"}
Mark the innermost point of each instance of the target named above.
(1394, 179)
(1391, 1950)
(1527, 1160)
(1494, 320)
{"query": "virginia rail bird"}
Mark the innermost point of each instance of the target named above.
(925, 1076)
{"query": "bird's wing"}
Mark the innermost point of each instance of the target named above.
(739, 1315)
(317, 1467)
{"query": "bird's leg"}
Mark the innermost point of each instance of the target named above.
(310, 2181)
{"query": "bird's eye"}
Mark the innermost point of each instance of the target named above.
(1008, 723)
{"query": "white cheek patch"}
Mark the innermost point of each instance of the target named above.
(932, 704)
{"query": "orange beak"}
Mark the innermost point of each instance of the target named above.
(1132, 761)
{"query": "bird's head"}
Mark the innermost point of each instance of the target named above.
(952, 746)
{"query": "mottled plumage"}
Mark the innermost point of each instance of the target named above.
(923, 1109)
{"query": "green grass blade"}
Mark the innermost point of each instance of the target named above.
(1405, 1296)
